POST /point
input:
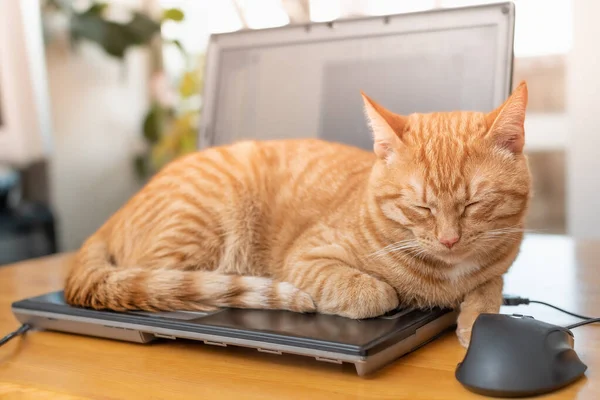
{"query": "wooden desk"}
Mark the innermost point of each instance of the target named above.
(47, 365)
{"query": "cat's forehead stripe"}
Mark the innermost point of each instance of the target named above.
(455, 124)
(442, 144)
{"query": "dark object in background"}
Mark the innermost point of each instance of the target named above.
(27, 227)
(518, 356)
(8, 183)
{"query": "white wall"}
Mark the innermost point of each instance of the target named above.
(25, 129)
(545, 132)
(584, 133)
(97, 108)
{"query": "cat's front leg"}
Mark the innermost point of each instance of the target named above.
(486, 298)
(339, 289)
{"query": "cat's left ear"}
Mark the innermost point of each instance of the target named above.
(506, 123)
(387, 128)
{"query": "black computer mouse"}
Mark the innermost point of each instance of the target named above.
(518, 356)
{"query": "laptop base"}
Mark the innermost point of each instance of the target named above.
(368, 344)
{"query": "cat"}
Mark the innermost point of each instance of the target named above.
(432, 217)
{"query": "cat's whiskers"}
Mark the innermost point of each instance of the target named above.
(420, 254)
(393, 245)
(402, 245)
(493, 242)
(485, 248)
(510, 229)
(490, 240)
(495, 236)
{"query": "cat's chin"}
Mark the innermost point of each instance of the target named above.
(452, 257)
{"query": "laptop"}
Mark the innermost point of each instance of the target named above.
(305, 81)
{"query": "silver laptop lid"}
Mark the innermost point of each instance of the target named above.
(305, 80)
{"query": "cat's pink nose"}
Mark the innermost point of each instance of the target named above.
(449, 241)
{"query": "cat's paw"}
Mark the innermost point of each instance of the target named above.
(294, 299)
(464, 326)
(464, 336)
(371, 298)
(303, 303)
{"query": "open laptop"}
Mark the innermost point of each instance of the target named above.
(305, 81)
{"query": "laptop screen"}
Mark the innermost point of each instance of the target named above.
(308, 85)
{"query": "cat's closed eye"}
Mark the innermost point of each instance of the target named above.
(423, 209)
(470, 206)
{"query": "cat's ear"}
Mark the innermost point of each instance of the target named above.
(506, 123)
(386, 127)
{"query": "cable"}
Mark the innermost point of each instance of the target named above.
(581, 323)
(22, 329)
(508, 300)
(560, 309)
(516, 301)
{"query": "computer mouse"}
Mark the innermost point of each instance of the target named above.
(518, 356)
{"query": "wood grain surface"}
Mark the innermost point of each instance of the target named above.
(49, 365)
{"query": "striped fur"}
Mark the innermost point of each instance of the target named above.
(306, 225)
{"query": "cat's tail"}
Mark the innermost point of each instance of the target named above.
(96, 282)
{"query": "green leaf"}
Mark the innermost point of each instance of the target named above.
(114, 38)
(178, 44)
(141, 164)
(173, 14)
(189, 84)
(141, 29)
(97, 8)
(153, 123)
(188, 142)
(91, 27)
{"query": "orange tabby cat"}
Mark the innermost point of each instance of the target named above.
(432, 218)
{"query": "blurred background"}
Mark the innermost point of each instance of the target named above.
(124, 81)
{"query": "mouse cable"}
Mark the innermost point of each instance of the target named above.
(516, 301)
(581, 323)
(22, 329)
